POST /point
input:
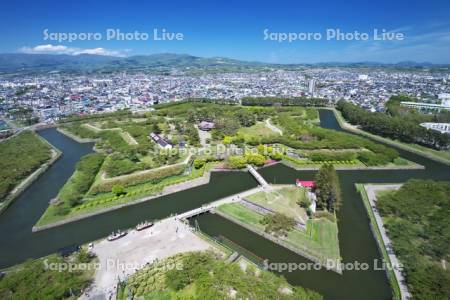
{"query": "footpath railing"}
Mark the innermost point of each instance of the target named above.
(257, 260)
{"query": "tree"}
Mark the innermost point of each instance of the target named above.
(416, 217)
(304, 202)
(276, 156)
(118, 190)
(393, 125)
(246, 118)
(198, 163)
(227, 140)
(278, 224)
(327, 188)
(155, 128)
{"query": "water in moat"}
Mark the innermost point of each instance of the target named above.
(18, 243)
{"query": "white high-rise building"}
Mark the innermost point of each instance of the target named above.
(311, 86)
(363, 77)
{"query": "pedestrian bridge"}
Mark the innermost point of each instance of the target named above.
(258, 177)
(207, 207)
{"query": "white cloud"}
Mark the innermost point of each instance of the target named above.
(60, 49)
(419, 45)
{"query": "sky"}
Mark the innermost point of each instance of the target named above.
(246, 30)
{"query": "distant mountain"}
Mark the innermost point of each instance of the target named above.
(19, 62)
(374, 64)
(96, 63)
(157, 63)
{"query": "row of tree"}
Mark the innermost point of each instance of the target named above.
(395, 109)
(117, 115)
(328, 190)
(277, 101)
(397, 128)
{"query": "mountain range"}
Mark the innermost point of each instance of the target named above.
(161, 63)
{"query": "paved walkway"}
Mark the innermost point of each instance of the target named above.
(204, 136)
(120, 258)
(371, 194)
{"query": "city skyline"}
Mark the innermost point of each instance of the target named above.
(235, 30)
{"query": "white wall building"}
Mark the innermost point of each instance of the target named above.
(441, 127)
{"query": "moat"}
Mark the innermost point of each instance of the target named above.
(355, 237)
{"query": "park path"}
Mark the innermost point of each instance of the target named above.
(130, 140)
(371, 194)
(273, 127)
(204, 136)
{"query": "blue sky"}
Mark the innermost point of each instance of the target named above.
(235, 28)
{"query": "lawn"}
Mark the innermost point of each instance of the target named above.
(108, 200)
(259, 130)
(242, 213)
(123, 134)
(320, 240)
(283, 200)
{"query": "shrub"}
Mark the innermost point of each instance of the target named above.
(199, 163)
(372, 159)
(329, 155)
(118, 190)
(117, 167)
(237, 162)
(255, 159)
(278, 224)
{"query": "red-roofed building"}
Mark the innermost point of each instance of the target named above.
(305, 183)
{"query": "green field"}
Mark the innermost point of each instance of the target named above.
(259, 130)
(284, 200)
(320, 240)
(243, 214)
